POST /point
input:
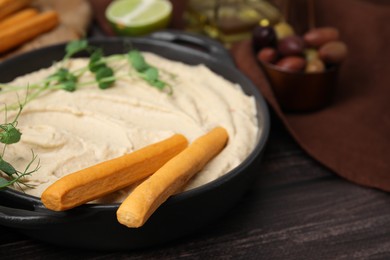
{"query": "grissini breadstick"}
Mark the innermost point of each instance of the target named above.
(8, 7)
(151, 193)
(27, 30)
(98, 180)
(18, 17)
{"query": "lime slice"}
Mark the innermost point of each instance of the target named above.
(138, 17)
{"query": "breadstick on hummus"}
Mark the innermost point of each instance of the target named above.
(151, 193)
(96, 181)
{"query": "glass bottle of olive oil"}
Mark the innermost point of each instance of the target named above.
(229, 20)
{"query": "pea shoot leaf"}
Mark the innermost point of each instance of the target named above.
(137, 60)
(69, 86)
(3, 183)
(148, 73)
(64, 79)
(7, 168)
(158, 84)
(74, 47)
(104, 77)
(151, 74)
(9, 134)
(95, 61)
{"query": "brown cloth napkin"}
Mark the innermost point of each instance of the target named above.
(352, 135)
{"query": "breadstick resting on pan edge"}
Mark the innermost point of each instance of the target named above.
(151, 193)
(101, 179)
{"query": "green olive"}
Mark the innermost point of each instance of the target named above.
(315, 66)
(283, 30)
(311, 54)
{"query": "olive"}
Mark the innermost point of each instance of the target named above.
(315, 66)
(283, 30)
(267, 55)
(292, 63)
(311, 54)
(320, 36)
(263, 36)
(333, 52)
(291, 45)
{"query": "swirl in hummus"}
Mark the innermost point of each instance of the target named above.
(73, 130)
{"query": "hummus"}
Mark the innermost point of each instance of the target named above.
(69, 131)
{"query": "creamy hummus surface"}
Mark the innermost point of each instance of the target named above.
(69, 131)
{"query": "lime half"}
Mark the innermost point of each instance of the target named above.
(138, 17)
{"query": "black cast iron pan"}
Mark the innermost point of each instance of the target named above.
(94, 226)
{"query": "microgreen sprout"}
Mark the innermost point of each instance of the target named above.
(147, 72)
(74, 47)
(104, 75)
(63, 79)
(9, 134)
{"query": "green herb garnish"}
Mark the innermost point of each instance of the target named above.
(105, 77)
(63, 79)
(137, 61)
(9, 134)
(95, 61)
(74, 47)
(147, 72)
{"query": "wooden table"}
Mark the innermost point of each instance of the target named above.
(296, 209)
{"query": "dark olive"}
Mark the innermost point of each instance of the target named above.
(320, 36)
(267, 54)
(292, 63)
(291, 45)
(263, 36)
(333, 52)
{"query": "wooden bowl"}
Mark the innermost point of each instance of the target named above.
(299, 91)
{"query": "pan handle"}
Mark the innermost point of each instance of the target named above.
(19, 210)
(39, 216)
(22, 218)
(13, 217)
(196, 41)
